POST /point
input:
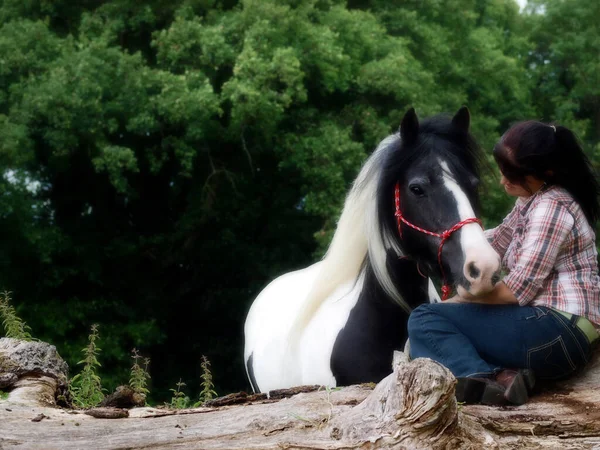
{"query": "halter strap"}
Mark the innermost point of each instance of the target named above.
(444, 236)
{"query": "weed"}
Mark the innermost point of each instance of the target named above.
(139, 377)
(13, 325)
(328, 391)
(86, 386)
(3, 395)
(324, 420)
(208, 388)
(179, 399)
(303, 419)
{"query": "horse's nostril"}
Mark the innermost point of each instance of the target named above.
(496, 278)
(473, 270)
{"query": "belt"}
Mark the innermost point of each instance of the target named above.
(584, 325)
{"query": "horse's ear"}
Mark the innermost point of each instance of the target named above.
(462, 119)
(409, 128)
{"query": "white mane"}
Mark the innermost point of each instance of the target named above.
(357, 234)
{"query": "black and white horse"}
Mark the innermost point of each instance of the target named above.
(338, 321)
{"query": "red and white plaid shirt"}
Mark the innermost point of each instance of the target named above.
(549, 250)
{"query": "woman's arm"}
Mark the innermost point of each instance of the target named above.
(549, 225)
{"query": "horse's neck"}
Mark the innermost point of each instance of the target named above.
(410, 283)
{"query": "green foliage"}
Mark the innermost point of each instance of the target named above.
(86, 387)
(14, 327)
(139, 377)
(179, 400)
(566, 69)
(3, 395)
(208, 392)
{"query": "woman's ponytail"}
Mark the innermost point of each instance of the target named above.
(573, 171)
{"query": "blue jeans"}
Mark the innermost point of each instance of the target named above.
(480, 340)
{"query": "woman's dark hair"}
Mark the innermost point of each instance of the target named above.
(552, 154)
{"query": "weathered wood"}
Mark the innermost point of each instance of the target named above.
(413, 408)
(107, 413)
(33, 371)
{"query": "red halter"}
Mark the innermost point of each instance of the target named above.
(444, 236)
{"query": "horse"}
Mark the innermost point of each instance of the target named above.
(338, 321)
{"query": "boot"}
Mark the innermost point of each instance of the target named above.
(516, 385)
(507, 387)
(470, 390)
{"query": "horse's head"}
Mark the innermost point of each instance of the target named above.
(430, 178)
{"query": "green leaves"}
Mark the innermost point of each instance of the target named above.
(566, 65)
(326, 157)
(115, 161)
(14, 327)
(208, 392)
(85, 387)
(139, 375)
(261, 90)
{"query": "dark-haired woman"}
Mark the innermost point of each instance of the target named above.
(543, 318)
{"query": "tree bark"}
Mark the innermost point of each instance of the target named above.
(413, 408)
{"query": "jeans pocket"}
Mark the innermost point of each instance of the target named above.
(551, 360)
(537, 312)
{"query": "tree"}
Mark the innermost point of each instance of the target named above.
(565, 64)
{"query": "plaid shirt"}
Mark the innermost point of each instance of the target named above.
(549, 250)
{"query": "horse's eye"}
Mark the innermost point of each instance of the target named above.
(417, 190)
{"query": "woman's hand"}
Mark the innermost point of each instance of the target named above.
(462, 296)
(456, 299)
(500, 295)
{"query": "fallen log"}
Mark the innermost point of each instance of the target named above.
(413, 408)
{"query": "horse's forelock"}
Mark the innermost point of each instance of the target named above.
(437, 137)
(454, 141)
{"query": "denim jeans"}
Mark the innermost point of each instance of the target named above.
(480, 340)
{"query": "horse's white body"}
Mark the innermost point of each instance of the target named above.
(277, 306)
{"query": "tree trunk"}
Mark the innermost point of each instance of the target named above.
(413, 408)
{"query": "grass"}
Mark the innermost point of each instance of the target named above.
(14, 327)
(86, 387)
(179, 399)
(139, 377)
(208, 391)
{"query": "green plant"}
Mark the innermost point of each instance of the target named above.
(3, 395)
(208, 388)
(179, 399)
(139, 377)
(328, 391)
(13, 325)
(86, 386)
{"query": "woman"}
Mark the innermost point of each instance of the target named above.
(543, 317)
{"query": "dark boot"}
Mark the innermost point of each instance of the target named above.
(507, 387)
(470, 390)
(516, 385)
(529, 378)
